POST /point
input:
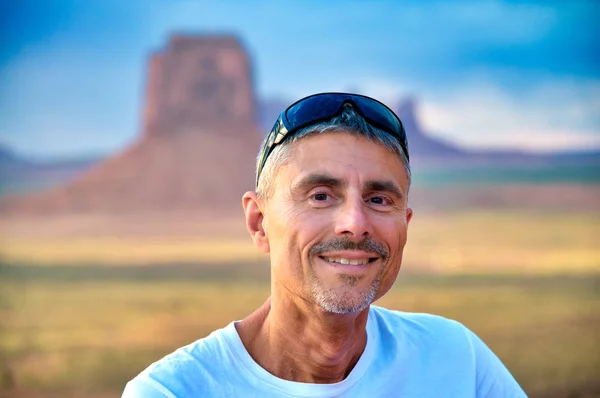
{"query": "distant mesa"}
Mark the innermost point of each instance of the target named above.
(202, 127)
(198, 144)
(199, 82)
(420, 144)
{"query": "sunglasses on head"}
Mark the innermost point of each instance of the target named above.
(321, 107)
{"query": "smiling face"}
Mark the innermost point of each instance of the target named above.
(336, 221)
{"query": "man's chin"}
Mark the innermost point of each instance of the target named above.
(340, 302)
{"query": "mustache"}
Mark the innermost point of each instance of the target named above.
(343, 243)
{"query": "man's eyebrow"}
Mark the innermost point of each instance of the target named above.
(315, 179)
(384, 186)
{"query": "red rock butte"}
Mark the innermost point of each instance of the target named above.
(197, 149)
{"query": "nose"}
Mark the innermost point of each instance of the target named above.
(353, 220)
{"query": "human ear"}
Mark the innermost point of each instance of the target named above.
(409, 214)
(254, 221)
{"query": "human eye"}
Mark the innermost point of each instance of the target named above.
(379, 200)
(321, 198)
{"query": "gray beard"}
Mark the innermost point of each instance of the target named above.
(345, 299)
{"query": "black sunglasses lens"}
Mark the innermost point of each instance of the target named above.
(312, 109)
(325, 106)
(379, 114)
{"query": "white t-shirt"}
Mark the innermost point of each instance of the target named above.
(407, 355)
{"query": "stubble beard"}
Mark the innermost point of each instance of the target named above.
(344, 299)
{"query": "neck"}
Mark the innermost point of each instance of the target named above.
(299, 341)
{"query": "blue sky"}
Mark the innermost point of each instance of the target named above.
(486, 73)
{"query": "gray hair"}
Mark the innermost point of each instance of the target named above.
(348, 122)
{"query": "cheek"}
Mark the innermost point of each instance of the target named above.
(394, 232)
(396, 241)
(305, 230)
(290, 232)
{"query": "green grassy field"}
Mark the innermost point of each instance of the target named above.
(85, 331)
(79, 316)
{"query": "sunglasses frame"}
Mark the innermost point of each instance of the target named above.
(282, 129)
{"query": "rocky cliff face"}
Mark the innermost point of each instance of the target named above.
(199, 82)
(198, 144)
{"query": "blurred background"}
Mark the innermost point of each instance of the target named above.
(128, 133)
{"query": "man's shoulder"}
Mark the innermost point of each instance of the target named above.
(184, 367)
(420, 335)
(425, 330)
(195, 354)
(418, 321)
(442, 346)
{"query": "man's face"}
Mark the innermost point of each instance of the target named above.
(336, 222)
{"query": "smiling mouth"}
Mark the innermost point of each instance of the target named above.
(348, 261)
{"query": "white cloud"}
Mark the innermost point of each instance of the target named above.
(553, 116)
(558, 115)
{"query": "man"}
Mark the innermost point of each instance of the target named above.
(330, 208)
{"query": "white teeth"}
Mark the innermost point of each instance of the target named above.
(360, 261)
